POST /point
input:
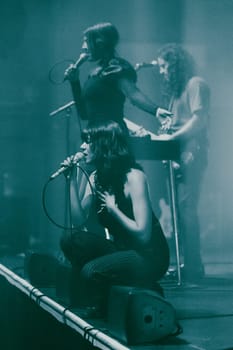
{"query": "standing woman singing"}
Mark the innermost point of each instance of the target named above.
(137, 252)
(103, 94)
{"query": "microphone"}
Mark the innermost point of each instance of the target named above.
(75, 160)
(146, 64)
(82, 58)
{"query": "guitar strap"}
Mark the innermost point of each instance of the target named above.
(170, 106)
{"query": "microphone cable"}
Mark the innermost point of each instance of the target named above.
(56, 73)
(44, 192)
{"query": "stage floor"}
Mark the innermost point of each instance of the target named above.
(204, 310)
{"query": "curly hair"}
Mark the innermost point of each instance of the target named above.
(181, 68)
(112, 154)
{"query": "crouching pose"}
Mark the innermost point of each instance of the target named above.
(134, 252)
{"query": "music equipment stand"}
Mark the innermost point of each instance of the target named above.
(175, 223)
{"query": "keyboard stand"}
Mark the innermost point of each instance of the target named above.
(174, 214)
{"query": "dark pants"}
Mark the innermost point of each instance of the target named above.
(188, 191)
(98, 264)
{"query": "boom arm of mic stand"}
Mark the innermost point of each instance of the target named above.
(62, 108)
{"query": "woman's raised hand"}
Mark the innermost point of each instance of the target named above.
(71, 73)
(70, 163)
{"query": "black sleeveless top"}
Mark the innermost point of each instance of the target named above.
(101, 95)
(157, 245)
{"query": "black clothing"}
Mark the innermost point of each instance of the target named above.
(101, 98)
(155, 251)
(100, 263)
(101, 94)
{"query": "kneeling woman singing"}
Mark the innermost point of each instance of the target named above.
(136, 252)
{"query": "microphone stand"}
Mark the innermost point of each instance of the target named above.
(62, 109)
(67, 108)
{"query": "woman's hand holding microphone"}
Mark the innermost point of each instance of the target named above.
(72, 72)
(68, 166)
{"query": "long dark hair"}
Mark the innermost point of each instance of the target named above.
(113, 158)
(181, 69)
(102, 36)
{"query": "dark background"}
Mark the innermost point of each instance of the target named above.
(34, 35)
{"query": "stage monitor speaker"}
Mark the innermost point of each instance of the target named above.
(139, 316)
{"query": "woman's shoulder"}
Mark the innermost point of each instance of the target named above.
(123, 63)
(121, 68)
(136, 175)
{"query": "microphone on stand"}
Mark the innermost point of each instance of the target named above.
(75, 160)
(145, 64)
(82, 58)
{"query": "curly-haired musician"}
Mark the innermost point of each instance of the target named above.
(187, 96)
